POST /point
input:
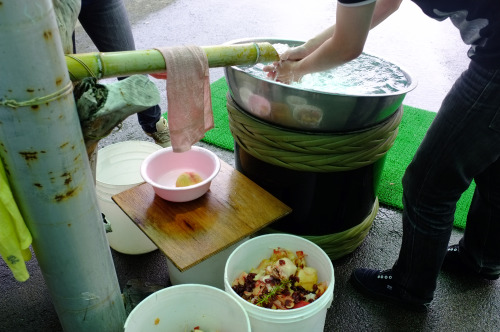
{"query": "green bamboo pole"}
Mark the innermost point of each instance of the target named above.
(44, 155)
(113, 64)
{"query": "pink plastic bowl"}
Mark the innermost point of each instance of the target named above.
(161, 169)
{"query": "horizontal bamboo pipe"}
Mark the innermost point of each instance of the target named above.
(114, 64)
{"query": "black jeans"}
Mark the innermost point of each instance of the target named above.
(462, 144)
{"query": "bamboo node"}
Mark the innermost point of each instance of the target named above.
(82, 64)
(257, 57)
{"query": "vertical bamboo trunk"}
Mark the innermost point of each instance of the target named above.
(45, 158)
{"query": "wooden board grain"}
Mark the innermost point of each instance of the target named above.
(188, 233)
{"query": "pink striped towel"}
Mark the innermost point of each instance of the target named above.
(190, 113)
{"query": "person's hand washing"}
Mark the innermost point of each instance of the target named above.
(284, 71)
(295, 53)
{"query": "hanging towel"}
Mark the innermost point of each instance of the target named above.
(15, 237)
(190, 113)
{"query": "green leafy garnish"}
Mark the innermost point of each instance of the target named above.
(265, 297)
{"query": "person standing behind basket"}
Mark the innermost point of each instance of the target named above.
(107, 24)
(461, 145)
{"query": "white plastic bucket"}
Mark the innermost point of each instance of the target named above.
(209, 272)
(310, 318)
(118, 168)
(183, 307)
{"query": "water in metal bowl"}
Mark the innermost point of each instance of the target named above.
(355, 96)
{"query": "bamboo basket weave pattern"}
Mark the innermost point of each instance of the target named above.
(311, 152)
(317, 153)
(339, 244)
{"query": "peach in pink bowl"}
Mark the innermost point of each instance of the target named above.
(162, 169)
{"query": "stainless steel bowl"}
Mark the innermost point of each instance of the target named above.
(307, 110)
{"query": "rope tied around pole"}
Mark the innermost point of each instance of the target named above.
(67, 89)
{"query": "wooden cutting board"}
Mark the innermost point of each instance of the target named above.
(188, 233)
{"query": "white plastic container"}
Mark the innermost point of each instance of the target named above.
(183, 307)
(209, 272)
(118, 168)
(310, 318)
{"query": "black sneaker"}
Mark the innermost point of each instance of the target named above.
(453, 263)
(379, 284)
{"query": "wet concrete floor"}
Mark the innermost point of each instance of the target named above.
(430, 51)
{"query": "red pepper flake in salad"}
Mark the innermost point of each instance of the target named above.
(283, 281)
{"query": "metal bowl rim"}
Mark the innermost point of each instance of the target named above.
(410, 87)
